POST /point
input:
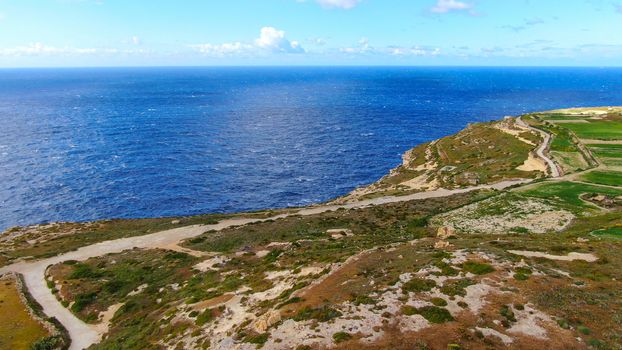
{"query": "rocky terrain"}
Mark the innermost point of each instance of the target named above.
(504, 235)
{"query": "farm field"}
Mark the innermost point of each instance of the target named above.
(610, 178)
(569, 192)
(606, 151)
(597, 130)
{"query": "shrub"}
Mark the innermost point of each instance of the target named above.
(418, 285)
(477, 268)
(438, 302)
(584, 330)
(341, 337)
(457, 287)
(507, 312)
(83, 300)
(47, 343)
(258, 339)
(435, 314)
(84, 271)
(273, 256)
(409, 310)
(322, 314)
(363, 299)
(204, 317)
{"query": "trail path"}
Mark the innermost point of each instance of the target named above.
(543, 147)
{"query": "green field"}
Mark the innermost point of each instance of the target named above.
(606, 151)
(611, 178)
(569, 192)
(597, 130)
(611, 232)
(554, 117)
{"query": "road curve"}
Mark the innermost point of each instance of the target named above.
(84, 335)
(543, 147)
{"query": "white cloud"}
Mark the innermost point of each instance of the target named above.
(445, 6)
(223, 49)
(274, 40)
(136, 40)
(364, 48)
(39, 49)
(344, 4)
(413, 51)
(271, 40)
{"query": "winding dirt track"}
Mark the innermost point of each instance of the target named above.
(83, 335)
(543, 147)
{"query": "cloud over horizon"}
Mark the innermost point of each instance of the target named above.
(446, 6)
(270, 40)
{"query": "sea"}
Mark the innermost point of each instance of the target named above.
(80, 144)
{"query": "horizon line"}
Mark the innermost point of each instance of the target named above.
(311, 66)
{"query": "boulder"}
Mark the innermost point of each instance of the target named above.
(445, 232)
(265, 321)
(337, 233)
(442, 245)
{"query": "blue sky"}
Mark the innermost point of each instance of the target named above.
(310, 32)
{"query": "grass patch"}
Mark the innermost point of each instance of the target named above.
(611, 232)
(477, 268)
(611, 178)
(569, 192)
(606, 151)
(597, 130)
(17, 330)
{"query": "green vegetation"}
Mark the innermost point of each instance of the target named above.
(341, 337)
(438, 302)
(597, 130)
(456, 287)
(97, 283)
(611, 178)
(435, 314)
(477, 268)
(569, 192)
(605, 150)
(418, 285)
(610, 232)
(322, 314)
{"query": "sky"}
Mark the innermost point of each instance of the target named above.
(52, 33)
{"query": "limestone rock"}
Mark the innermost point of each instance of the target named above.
(339, 233)
(445, 232)
(261, 324)
(442, 245)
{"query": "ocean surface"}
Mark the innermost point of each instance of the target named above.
(85, 144)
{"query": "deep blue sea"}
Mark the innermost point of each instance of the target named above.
(84, 144)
